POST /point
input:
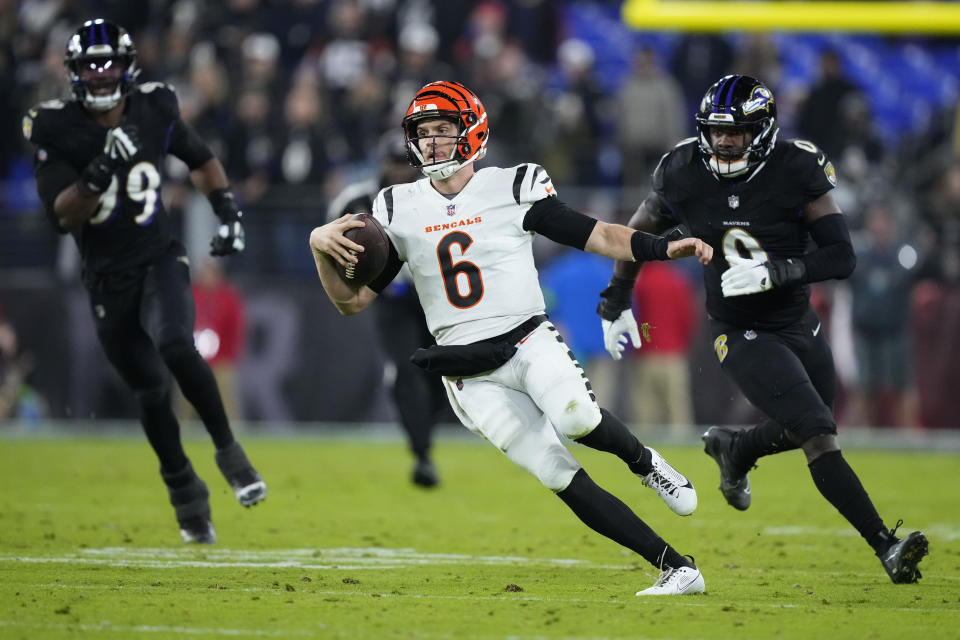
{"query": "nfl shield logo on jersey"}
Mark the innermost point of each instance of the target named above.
(451, 209)
(733, 202)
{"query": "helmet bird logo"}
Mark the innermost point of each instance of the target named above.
(760, 98)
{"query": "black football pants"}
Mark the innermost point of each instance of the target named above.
(788, 374)
(144, 320)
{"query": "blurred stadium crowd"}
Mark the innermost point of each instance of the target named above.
(293, 96)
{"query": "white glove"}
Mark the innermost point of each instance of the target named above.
(122, 143)
(229, 239)
(613, 338)
(745, 276)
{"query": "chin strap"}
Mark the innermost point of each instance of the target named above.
(103, 103)
(728, 169)
(443, 170)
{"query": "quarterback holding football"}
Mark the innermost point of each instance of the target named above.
(466, 235)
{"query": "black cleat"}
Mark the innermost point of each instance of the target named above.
(248, 487)
(190, 499)
(425, 474)
(901, 559)
(734, 484)
(199, 530)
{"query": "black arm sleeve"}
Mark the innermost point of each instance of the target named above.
(553, 219)
(832, 259)
(186, 144)
(390, 271)
(834, 256)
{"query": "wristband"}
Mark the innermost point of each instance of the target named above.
(616, 298)
(646, 246)
(224, 205)
(786, 272)
(96, 176)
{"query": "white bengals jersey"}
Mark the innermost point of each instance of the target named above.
(471, 260)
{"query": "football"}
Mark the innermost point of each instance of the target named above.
(373, 258)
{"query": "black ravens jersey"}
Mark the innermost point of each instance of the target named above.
(758, 216)
(131, 226)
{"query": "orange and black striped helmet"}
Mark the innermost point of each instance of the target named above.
(454, 101)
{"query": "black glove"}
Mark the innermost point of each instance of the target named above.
(616, 298)
(230, 237)
(95, 178)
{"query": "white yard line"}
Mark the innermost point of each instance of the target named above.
(126, 629)
(354, 559)
(340, 558)
(940, 531)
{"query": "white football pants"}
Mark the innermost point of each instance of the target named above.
(521, 406)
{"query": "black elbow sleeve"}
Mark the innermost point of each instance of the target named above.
(553, 219)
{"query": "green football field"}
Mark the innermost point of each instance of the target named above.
(345, 547)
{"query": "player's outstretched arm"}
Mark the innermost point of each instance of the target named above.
(329, 246)
(625, 244)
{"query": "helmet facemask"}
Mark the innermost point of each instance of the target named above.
(459, 146)
(98, 81)
(730, 163)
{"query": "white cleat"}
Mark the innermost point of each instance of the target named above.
(250, 494)
(671, 485)
(682, 581)
(248, 487)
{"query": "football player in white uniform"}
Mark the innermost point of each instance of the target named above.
(466, 236)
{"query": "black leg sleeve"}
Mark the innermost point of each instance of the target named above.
(840, 485)
(199, 387)
(765, 439)
(135, 358)
(612, 436)
(608, 516)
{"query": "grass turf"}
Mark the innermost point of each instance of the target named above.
(346, 547)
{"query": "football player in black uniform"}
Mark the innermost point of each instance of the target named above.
(98, 169)
(757, 201)
(419, 396)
